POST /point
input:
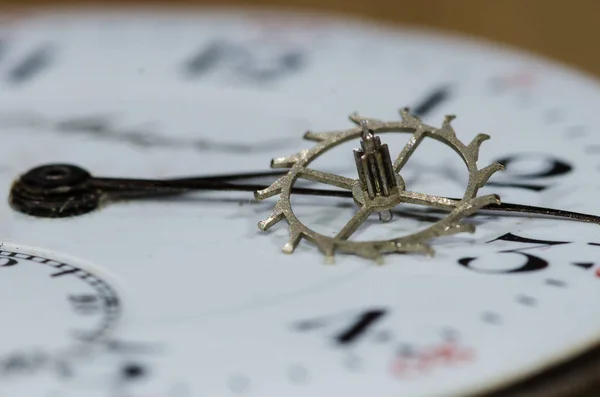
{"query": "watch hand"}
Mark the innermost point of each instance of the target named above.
(530, 209)
(61, 190)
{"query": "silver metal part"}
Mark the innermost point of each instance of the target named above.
(375, 181)
(375, 170)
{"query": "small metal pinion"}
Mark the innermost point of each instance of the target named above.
(379, 186)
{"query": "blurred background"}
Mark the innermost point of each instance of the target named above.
(567, 31)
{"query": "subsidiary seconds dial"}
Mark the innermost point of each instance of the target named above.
(61, 310)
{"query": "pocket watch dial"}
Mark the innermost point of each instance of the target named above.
(206, 304)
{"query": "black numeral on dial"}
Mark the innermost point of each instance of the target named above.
(29, 65)
(257, 63)
(519, 176)
(531, 263)
(350, 328)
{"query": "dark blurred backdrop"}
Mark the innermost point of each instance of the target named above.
(568, 31)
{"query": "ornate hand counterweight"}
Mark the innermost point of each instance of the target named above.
(379, 186)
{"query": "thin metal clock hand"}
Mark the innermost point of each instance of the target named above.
(62, 190)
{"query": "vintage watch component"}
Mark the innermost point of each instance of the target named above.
(64, 190)
(56, 190)
(379, 187)
(375, 171)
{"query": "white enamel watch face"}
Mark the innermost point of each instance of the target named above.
(185, 296)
